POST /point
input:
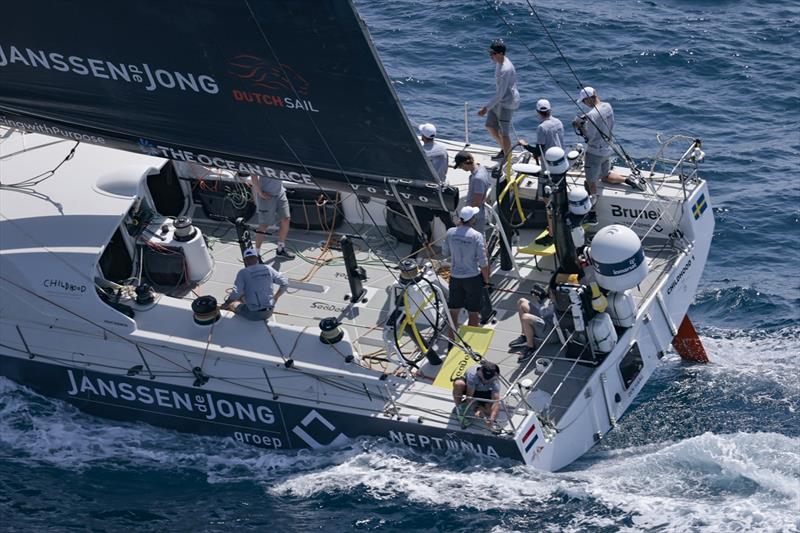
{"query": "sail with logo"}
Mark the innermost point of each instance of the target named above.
(279, 88)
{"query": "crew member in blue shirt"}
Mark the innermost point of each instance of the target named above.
(252, 296)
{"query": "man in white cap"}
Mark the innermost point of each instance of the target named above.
(500, 109)
(549, 133)
(469, 271)
(596, 127)
(251, 296)
(435, 152)
(478, 185)
(437, 155)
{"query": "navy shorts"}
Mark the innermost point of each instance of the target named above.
(466, 292)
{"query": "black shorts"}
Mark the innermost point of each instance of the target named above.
(484, 394)
(466, 292)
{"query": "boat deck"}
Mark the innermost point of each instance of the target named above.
(319, 289)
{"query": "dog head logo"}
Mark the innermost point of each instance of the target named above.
(268, 75)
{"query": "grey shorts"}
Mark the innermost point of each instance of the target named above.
(596, 167)
(480, 222)
(273, 210)
(249, 314)
(541, 329)
(499, 118)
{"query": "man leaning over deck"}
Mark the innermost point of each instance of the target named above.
(251, 296)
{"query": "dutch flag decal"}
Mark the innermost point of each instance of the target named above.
(527, 439)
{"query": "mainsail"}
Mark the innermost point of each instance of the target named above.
(282, 88)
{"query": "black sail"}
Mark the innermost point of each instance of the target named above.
(286, 88)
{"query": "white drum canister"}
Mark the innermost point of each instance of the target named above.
(622, 308)
(198, 259)
(618, 258)
(602, 334)
(579, 202)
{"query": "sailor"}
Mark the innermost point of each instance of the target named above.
(434, 151)
(437, 155)
(271, 204)
(549, 133)
(535, 320)
(251, 296)
(596, 127)
(481, 382)
(478, 185)
(500, 109)
(469, 273)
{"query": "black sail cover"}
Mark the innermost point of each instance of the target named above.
(284, 88)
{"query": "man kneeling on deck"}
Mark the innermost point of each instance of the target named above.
(251, 296)
(478, 382)
(536, 321)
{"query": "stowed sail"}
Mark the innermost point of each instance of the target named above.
(280, 88)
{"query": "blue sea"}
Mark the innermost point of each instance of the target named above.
(706, 448)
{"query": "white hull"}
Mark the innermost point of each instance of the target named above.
(51, 315)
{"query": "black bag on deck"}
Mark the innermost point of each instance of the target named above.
(213, 197)
(399, 225)
(313, 209)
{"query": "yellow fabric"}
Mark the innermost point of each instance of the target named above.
(458, 361)
(538, 249)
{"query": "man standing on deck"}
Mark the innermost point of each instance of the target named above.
(500, 109)
(549, 133)
(478, 186)
(271, 203)
(595, 127)
(252, 296)
(469, 271)
(437, 155)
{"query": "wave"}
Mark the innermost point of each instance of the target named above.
(772, 306)
(708, 447)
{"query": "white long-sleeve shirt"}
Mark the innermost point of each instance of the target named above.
(506, 93)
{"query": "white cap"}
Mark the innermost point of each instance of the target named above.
(586, 92)
(251, 252)
(467, 212)
(543, 105)
(427, 130)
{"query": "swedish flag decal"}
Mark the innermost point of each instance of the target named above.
(700, 206)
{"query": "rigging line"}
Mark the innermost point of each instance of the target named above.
(330, 151)
(33, 181)
(609, 139)
(552, 40)
(574, 74)
(78, 315)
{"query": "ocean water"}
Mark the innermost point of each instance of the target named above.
(706, 448)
